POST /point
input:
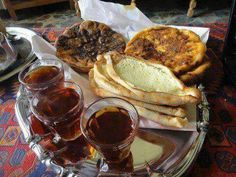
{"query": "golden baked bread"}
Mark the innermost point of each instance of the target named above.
(178, 49)
(162, 119)
(169, 110)
(142, 80)
(196, 74)
(213, 77)
(165, 115)
(80, 44)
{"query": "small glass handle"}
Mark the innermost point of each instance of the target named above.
(22, 104)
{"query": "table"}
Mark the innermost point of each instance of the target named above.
(12, 6)
(217, 158)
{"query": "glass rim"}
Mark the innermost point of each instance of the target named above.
(21, 75)
(114, 145)
(77, 106)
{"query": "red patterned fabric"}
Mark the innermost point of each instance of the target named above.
(217, 158)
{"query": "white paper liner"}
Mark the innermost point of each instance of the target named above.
(126, 20)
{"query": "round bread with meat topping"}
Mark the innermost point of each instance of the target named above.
(178, 49)
(80, 44)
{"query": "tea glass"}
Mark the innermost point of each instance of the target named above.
(117, 153)
(32, 88)
(60, 110)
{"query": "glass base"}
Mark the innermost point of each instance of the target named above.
(114, 169)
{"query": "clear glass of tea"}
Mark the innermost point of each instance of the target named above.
(60, 109)
(41, 75)
(65, 152)
(110, 125)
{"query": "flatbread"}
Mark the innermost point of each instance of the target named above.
(156, 116)
(173, 111)
(80, 44)
(185, 95)
(105, 82)
(178, 49)
(162, 119)
(196, 74)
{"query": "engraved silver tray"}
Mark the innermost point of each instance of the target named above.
(186, 146)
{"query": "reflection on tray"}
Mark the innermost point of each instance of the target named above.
(155, 149)
(75, 151)
(65, 153)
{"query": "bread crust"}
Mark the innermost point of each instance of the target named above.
(196, 74)
(170, 117)
(173, 111)
(113, 58)
(162, 119)
(179, 49)
(104, 81)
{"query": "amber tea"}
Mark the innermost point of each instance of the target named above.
(41, 75)
(110, 125)
(60, 110)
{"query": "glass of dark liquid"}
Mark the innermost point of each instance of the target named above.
(110, 125)
(60, 109)
(41, 75)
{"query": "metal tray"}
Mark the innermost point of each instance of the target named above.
(174, 161)
(24, 48)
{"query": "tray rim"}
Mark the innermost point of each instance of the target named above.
(176, 170)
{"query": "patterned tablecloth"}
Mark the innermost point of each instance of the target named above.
(217, 158)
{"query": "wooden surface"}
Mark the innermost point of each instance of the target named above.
(192, 6)
(190, 12)
(12, 6)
